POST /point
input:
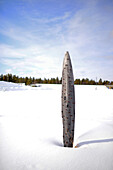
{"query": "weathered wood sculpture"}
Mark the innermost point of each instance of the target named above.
(68, 102)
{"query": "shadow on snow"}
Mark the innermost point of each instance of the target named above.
(95, 141)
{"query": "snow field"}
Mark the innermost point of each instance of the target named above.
(31, 129)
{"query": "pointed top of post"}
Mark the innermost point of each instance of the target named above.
(67, 54)
(67, 59)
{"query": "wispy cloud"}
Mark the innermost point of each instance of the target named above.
(29, 61)
(11, 52)
(49, 20)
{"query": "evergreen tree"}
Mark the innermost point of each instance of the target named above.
(100, 82)
(77, 81)
(1, 77)
(57, 80)
(4, 78)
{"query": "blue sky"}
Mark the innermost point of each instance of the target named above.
(35, 34)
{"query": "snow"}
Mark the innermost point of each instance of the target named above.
(31, 128)
(4, 86)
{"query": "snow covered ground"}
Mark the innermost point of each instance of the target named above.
(31, 128)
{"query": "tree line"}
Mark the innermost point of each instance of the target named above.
(92, 82)
(29, 80)
(33, 80)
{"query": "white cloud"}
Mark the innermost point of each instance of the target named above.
(8, 71)
(34, 60)
(9, 51)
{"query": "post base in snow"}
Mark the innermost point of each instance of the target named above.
(70, 146)
(68, 143)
